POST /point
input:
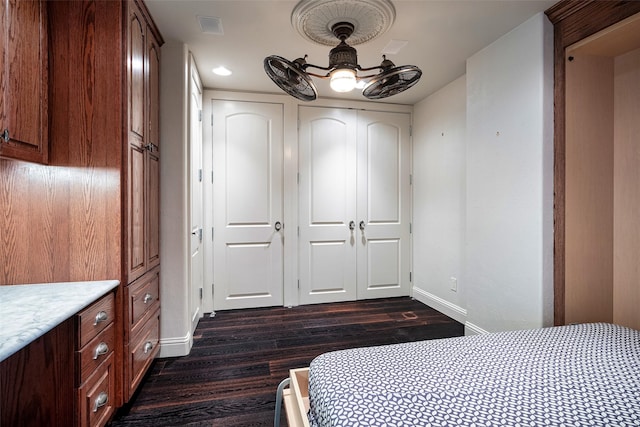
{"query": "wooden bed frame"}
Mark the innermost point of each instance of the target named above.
(296, 398)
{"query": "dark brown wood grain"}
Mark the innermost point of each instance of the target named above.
(239, 357)
(573, 21)
(24, 76)
(36, 388)
(62, 222)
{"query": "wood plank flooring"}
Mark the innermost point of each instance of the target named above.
(239, 357)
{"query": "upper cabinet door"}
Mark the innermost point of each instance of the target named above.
(136, 69)
(153, 88)
(24, 77)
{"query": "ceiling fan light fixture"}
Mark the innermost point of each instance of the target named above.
(343, 80)
(344, 19)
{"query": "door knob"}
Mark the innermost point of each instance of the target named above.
(352, 225)
(278, 226)
(362, 225)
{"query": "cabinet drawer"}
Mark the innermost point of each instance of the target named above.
(97, 397)
(143, 298)
(91, 356)
(94, 319)
(143, 350)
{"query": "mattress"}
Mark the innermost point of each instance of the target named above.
(578, 375)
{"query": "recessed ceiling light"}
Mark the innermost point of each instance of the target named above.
(222, 71)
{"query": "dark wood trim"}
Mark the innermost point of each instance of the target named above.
(573, 21)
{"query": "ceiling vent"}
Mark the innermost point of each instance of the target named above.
(211, 25)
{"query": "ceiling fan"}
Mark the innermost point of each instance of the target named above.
(319, 19)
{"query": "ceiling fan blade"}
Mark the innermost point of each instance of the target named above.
(290, 78)
(392, 81)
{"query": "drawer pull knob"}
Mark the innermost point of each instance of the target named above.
(101, 349)
(147, 297)
(100, 401)
(147, 347)
(101, 317)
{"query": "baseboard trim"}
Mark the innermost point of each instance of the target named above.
(471, 329)
(176, 346)
(443, 306)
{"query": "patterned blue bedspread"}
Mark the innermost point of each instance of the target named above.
(578, 375)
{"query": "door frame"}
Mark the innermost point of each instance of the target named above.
(195, 83)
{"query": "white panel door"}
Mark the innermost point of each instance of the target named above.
(383, 211)
(247, 187)
(327, 205)
(197, 214)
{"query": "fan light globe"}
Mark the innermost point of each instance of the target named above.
(343, 80)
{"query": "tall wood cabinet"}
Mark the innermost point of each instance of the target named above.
(24, 77)
(142, 207)
(115, 46)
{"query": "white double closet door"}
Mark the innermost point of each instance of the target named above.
(354, 204)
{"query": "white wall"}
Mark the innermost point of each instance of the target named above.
(509, 221)
(483, 187)
(175, 331)
(439, 163)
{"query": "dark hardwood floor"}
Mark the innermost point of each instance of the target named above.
(239, 357)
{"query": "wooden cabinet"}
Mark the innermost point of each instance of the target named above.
(142, 207)
(67, 377)
(36, 383)
(24, 77)
(142, 298)
(112, 48)
(143, 230)
(94, 363)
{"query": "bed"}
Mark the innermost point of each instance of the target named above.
(577, 375)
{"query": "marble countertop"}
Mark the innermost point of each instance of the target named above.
(29, 311)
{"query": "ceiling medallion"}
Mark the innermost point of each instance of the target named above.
(314, 19)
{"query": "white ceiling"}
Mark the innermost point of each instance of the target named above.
(441, 35)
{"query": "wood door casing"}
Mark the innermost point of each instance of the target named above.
(572, 21)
